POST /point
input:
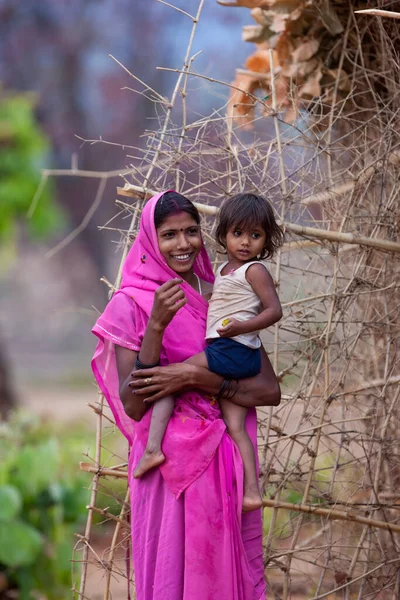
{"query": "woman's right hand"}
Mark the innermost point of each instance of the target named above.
(158, 382)
(168, 299)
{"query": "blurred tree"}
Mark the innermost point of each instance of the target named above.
(23, 151)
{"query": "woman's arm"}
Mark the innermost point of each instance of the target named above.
(149, 354)
(168, 299)
(262, 390)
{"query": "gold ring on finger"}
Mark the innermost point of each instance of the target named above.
(147, 380)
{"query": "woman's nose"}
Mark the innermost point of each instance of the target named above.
(183, 241)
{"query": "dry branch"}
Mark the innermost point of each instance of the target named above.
(379, 13)
(102, 471)
(333, 514)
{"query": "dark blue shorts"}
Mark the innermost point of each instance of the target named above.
(232, 360)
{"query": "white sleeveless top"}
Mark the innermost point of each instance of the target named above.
(233, 297)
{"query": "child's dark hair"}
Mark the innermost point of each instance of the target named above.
(245, 211)
(172, 203)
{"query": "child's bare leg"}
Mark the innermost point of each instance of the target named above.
(235, 417)
(153, 455)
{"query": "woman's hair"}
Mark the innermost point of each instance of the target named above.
(247, 211)
(172, 203)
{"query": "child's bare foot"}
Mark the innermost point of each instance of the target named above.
(251, 501)
(149, 460)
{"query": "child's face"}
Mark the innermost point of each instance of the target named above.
(245, 244)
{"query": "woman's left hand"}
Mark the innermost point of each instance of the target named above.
(158, 382)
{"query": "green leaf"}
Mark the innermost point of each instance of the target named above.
(20, 544)
(36, 467)
(24, 151)
(10, 502)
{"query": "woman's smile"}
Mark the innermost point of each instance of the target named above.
(182, 257)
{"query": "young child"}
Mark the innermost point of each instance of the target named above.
(243, 302)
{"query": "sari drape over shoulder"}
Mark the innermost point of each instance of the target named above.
(190, 540)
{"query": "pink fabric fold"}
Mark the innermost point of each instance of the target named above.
(189, 536)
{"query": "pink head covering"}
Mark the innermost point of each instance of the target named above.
(145, 269)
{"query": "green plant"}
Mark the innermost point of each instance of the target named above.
(42, 503)
(24, 150)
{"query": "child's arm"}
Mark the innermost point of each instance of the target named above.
(263, 285)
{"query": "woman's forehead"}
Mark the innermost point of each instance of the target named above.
(178, 221)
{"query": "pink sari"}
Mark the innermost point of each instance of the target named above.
(190, 539)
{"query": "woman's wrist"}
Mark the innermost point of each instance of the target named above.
(155, 326)
(192, 380)
(205, 380)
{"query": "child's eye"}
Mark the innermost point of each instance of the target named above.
(237, 232)
(256, 236)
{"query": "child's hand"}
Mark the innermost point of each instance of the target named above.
(232, 328)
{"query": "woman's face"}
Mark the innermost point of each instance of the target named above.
(179, 240)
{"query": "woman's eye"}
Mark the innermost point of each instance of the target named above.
(168, 235)
(193, 231)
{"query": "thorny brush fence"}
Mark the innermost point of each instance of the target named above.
(330, 453)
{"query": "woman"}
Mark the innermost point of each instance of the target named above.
(190, 538)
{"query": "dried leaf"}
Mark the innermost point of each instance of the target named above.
(330, 18)
(305, 50)
(259, 61)
(312, 87)
(284, 48)
(259, 16)
(240, 104)
(341, 577)
(276, 19)
(278, 23)
(254, 33)
(344, 83)
(294, 15)
(300, 70)
(282, 5)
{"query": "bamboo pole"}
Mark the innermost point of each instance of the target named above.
(378, 12)
(102, 471)
(111, 555)
(108, 515)
(277, 282)
(335, 515)
(93, 496)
